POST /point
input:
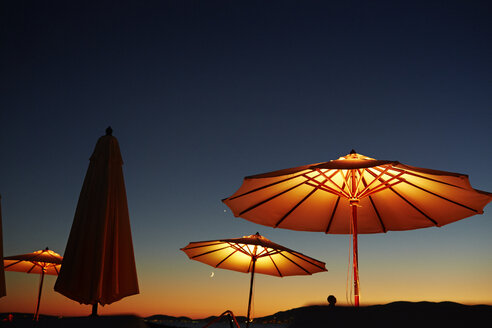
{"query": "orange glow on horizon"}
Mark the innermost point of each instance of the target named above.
(195, 294)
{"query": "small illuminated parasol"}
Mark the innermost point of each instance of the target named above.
(41, 262)
(255, 254)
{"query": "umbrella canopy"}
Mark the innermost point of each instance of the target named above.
(253, 254)
(99, 264)
(41, 262)
(356, 194)
(3, 290)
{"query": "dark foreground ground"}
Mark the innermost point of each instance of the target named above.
(398, 314)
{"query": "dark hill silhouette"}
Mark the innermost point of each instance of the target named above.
(396, 314)
(166, 321)
(167, 317)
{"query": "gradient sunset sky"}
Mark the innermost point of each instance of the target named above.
(203, 93)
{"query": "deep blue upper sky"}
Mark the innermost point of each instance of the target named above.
(203, 93)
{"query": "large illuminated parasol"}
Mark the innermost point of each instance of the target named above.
(356, 194)
(255, 254)
(41, 262)
(99, 264)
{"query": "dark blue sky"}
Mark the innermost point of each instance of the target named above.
(203, 93)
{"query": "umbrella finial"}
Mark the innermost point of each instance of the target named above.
(109, 131)
(353, 152)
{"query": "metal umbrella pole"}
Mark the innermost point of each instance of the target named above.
(36, 314)
(355, 254)
(354, 203)
(253, 260)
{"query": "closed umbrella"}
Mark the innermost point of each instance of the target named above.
(99, 264)
(356, 194)
(40, 262)
(253, 254)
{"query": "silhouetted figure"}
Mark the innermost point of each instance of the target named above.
(332, 300)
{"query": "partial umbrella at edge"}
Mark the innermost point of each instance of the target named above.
(40, 262)
(356, 194)
(3, 289)
(99, 263)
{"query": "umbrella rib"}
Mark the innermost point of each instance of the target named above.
(12, 264)
(332, 215)
(266, 252)
(307, 259)
(241, 248)
(212, 251)
(270, 198)
(415, 207)
(262, 253)
(366, 186)
(341, 191)
(385, 184)
(409, 202)
(374, 207)
(223, 260)
(295, 206)
(33, 266)
(437, 195)
(326, 188)
(263, 187)
(200, 246)
(381, 188)
(378, 215)
(345, 181)
(359, 180)
(424, 177)
(295, 264)
(444, 198)
(275, 265)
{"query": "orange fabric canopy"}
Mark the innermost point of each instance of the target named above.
(99, 264)
(389, 196)
(38, 262)
(237, 254)
(41, 262)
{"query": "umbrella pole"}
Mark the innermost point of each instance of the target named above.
(354, 203)
(355, 255)
(251, 291)
(94, 310)
(36, 315)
